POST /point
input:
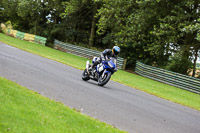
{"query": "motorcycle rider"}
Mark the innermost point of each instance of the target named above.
(105, 55)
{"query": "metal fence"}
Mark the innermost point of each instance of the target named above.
(84, 52)
(175, 79)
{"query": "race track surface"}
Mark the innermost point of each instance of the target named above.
(116, 104)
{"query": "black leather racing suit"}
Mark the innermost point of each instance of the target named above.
(105, 55)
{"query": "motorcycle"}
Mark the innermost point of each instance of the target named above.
(100, 73)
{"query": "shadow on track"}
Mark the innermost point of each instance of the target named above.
(96, 84)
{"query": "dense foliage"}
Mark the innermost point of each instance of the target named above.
(162, 33)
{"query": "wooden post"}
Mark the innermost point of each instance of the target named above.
(124, 64)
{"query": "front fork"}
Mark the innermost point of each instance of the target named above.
(103, 73)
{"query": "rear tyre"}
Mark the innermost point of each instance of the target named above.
(85, 75)
(103, 80)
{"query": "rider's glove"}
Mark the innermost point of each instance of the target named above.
(103, 59)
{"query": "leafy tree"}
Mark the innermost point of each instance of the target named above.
(179, 28)
(127, 23)
(152, 31)
(8, 12)
(81, 20)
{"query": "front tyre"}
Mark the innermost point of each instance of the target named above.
(103, 80)
(85, 75)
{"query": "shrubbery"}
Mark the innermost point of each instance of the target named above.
(3, 28)
(179, 63)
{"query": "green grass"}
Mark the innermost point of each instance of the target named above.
(22, 110)
(168, 92)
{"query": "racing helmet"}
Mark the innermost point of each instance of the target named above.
(115, 50)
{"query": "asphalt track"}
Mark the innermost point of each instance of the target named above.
(116, 104)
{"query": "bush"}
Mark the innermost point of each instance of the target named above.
(3, 28)
(179, 63)
(9, 25)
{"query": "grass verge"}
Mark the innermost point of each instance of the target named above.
(168, 92)
(22, 110)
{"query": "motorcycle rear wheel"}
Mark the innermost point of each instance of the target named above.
(85, 75)
(103, 80)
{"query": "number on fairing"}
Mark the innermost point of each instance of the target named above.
(101, 68)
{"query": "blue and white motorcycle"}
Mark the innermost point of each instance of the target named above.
(100, 73)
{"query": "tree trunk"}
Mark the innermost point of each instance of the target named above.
(77, 34)
(195, 62)
(93, 29)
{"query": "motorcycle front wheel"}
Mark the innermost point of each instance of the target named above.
(85, 75)
(103, 80)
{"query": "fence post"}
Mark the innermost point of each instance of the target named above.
(124, 64)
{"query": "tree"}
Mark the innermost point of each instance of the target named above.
(128, 23)
(8, 12)
(180, 28)
(81, 20)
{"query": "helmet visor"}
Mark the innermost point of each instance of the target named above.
(116, 52)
